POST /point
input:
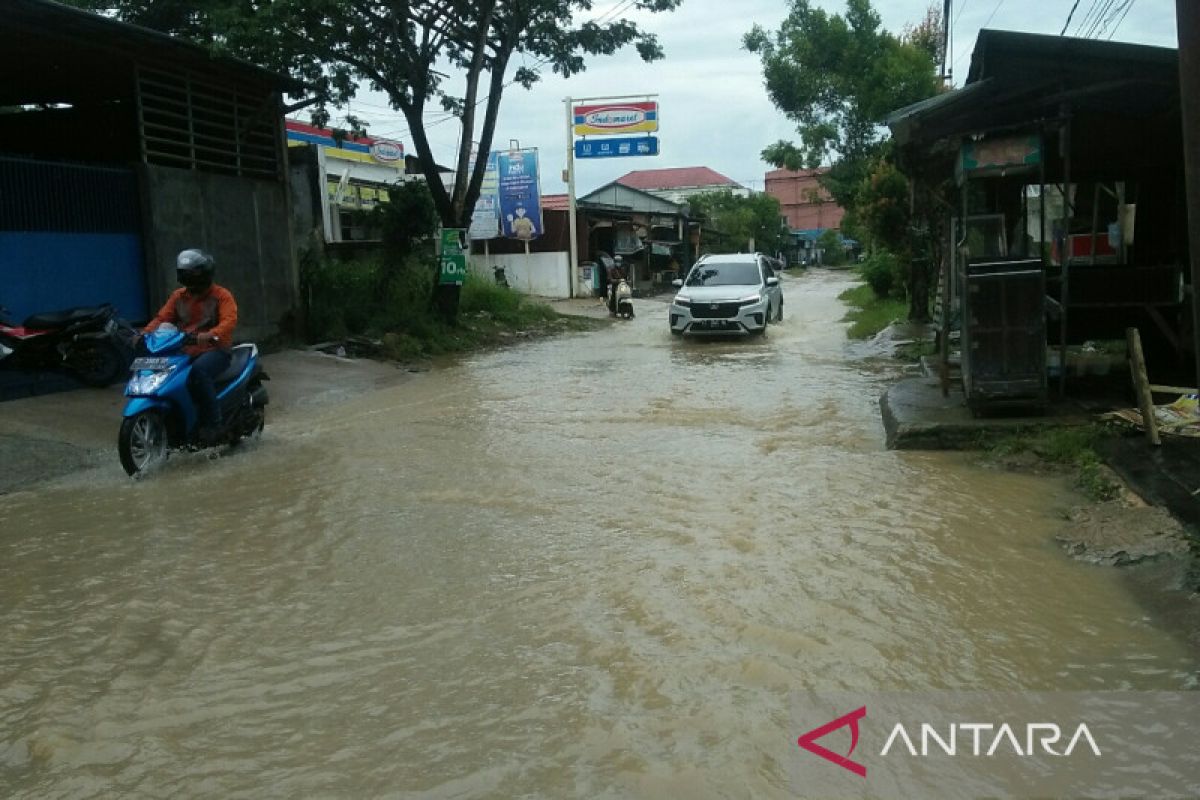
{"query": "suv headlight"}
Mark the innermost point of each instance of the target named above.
(681, 300)
(749, 299)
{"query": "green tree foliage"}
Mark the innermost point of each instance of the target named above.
(883, 207)
(408, 221)
(833, 252)
(838, 76)
(733, 221)
(455, 54)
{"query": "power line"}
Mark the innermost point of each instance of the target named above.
(958, 17)
(1099, 18)
(1091, 14)
(1122, 19)
(621, 6)
(1067, 24)
(994, 10)
(1119, 10)
(965, 53)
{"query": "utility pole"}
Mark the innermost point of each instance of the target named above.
(945, 38)
(573, 258)
(1187, 19)
(569, 173)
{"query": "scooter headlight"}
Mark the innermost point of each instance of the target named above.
(148, 381)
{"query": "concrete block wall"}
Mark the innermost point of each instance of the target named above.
(541, 274)
(244, 222)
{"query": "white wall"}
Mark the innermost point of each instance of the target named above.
(542, 274)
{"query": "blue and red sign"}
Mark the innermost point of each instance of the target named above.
(365, 148)
(615, 118)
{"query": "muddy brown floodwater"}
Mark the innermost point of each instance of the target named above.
(590, 566)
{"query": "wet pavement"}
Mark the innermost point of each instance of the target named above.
(58, 433)
(597, 565)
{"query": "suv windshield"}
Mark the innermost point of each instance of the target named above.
(717, 274)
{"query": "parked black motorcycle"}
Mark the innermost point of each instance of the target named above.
(89, 342)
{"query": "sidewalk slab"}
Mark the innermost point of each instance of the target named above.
(917, 417)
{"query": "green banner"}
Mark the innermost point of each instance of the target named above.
(453, 258)
(1003, 153)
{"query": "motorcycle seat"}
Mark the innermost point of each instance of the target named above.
(239, 358)
(69, 316)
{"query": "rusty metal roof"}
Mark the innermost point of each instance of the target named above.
(51, 49)
(1024, 77)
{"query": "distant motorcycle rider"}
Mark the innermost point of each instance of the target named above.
(616, 274)
(209, 311)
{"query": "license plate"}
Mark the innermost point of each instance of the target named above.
(150, 363)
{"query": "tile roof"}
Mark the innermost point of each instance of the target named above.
(675, 178)
(554, 202)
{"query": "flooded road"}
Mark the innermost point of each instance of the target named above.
(592, 566)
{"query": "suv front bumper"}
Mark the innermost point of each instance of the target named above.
(718, 319)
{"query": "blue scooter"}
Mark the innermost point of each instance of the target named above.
(161, 415)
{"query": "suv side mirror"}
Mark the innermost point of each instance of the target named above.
(678, 282)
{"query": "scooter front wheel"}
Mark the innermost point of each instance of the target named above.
(142, 443)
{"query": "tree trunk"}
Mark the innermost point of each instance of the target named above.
(445, 302)
(918, 289)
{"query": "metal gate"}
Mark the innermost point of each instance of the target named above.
(70, 235)
(1004, 333)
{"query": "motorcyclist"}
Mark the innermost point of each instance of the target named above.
(616, 274)
(209, 311)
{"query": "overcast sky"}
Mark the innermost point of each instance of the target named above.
(713, 109)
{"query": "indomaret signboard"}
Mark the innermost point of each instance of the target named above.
(612, 119)
(616, 118)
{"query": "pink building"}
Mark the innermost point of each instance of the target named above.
(802, 200)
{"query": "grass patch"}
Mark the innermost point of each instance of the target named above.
(392, 304)
(1071, 448)
(868, 314)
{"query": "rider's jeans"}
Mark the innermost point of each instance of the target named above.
(205, 369)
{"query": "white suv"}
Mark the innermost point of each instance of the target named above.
(731, 293)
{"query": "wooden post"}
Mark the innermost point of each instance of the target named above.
(1187, 22)
(944, 340)
(1141, 384)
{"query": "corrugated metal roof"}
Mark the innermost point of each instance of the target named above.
(94, 31)
(999, 51)
(1023, 77)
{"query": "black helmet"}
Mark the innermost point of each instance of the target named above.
(194, 269)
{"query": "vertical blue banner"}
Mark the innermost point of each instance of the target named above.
(520, 194)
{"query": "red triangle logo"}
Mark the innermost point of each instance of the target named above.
(809, 741)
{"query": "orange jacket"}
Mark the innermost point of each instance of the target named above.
(213, 312)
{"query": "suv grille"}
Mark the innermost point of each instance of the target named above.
(714, 310)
